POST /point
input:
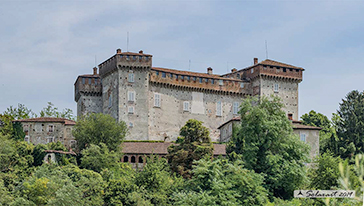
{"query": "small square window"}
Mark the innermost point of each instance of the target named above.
(49, 139)
(186, 106)
(188, 78)
(206, 80)
(26, 138)
(163, 74)
(221, 82)
(218, 109)
(252, 71)
(131, 77)
(26, 128)
(194, 78)
(303, 137)
(212, 81)
(157, 100)
(131, 110)
(176, 76)
(131, 96)
(200, 80)
(242, 85)
(83, 80)
(89, 81)
(182, 77)
(276, 87)
(235, 107)
(157, 73)
(50, 128)
(171, 75)
(131, 124)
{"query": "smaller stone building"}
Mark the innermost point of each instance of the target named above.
(137, 152)
(43, 130)
(308, 134)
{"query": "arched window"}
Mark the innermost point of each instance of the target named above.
(126, 159)
(132, 159)
(140, 159)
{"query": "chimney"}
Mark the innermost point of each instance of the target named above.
(233, 70)
(118, 51)
(290, 116)
(255, 61)
(209, 70)
(95, 70)
(141, 52)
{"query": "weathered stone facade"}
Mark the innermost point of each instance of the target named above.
(44, 130)
(156, 102)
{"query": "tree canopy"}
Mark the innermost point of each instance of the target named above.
(194, 144)
(267, 145)
(99, 128)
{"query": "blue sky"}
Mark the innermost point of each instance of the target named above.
(45, 45)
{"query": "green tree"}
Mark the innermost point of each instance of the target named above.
(20, 112)
(97, 158)
(325, 175)
(52, 111)
(194, 145)
(268, 146)
(350, 125)
(99, 128)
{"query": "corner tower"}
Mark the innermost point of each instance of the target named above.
(125, 80)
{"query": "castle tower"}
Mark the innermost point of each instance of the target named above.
(271, 77)
(125, 81)
(88, 90)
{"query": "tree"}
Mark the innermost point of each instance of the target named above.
(328, 136)
(97, 157)
(325, 175)
(268, 146)
(99, 128)
(350, 125)
(20, 112)
(194, 145)
(51, 111)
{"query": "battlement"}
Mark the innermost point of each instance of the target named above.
(125, 60)
(199, 81)
(268, 69)
(88, 85)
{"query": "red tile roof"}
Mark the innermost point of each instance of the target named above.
(60, 152)
(159, 148)
(196, 74)
(270, 62)
(90, 75)
(48, 119)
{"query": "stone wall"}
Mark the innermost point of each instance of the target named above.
(166, 121)
(312, 139)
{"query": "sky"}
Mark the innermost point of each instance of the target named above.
(45, 45)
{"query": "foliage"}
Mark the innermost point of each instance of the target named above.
(99, 128)
(268, 146)
(324, 175)
(20, 112)
(98, 157)
(51, 111)
(350, 125)
(194, 145)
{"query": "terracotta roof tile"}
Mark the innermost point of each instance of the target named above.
(60, 152)
(197, 74)
(90, 75)
(270, 62)
(159, 148)
(48, 119)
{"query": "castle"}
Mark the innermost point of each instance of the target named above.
(156, 102)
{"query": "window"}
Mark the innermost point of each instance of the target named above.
(194, 78)
(200, 80)
(131, 124)
(49, 139)
(242, 85)
(218, 108)
(26, 138)
(140, 58)
(131, 96)
(171, 75)
(127, 57)
(89, 81)
(186, 106)
(146, 58)
(157, 73)
(110, 101)
(206, 80)
(252, 71)
(95, 81)
(230, 128)
(50, 128)
(83, 80)
(235, 107)
(131, 110)
(134, 57)
(303, 137)
(126, 159)
(276, 87)
(157, 100)
(131, 77)
(188, 78)
(238, 76)
(132, 159)
(221, 82)
(163, 74)
(140, 159)
(212, 81)
(176, 76)
(182, 77)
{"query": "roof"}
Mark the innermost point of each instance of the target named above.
(197, 74)
(90, 75)
(160, 148)
(134, 53)
(60, 152)
(233, 119)
(48, 119)
(299, 125)
(270, 62)
(295, 124)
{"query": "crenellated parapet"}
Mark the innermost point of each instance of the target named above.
(125, 60)
(88, 85)
(198, 81)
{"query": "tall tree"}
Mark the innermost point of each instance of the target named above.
(52, 111)
(99, 128)
(194, 144)
(350, 124)
(268, 146)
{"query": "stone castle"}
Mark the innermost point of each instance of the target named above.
(156, 102)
